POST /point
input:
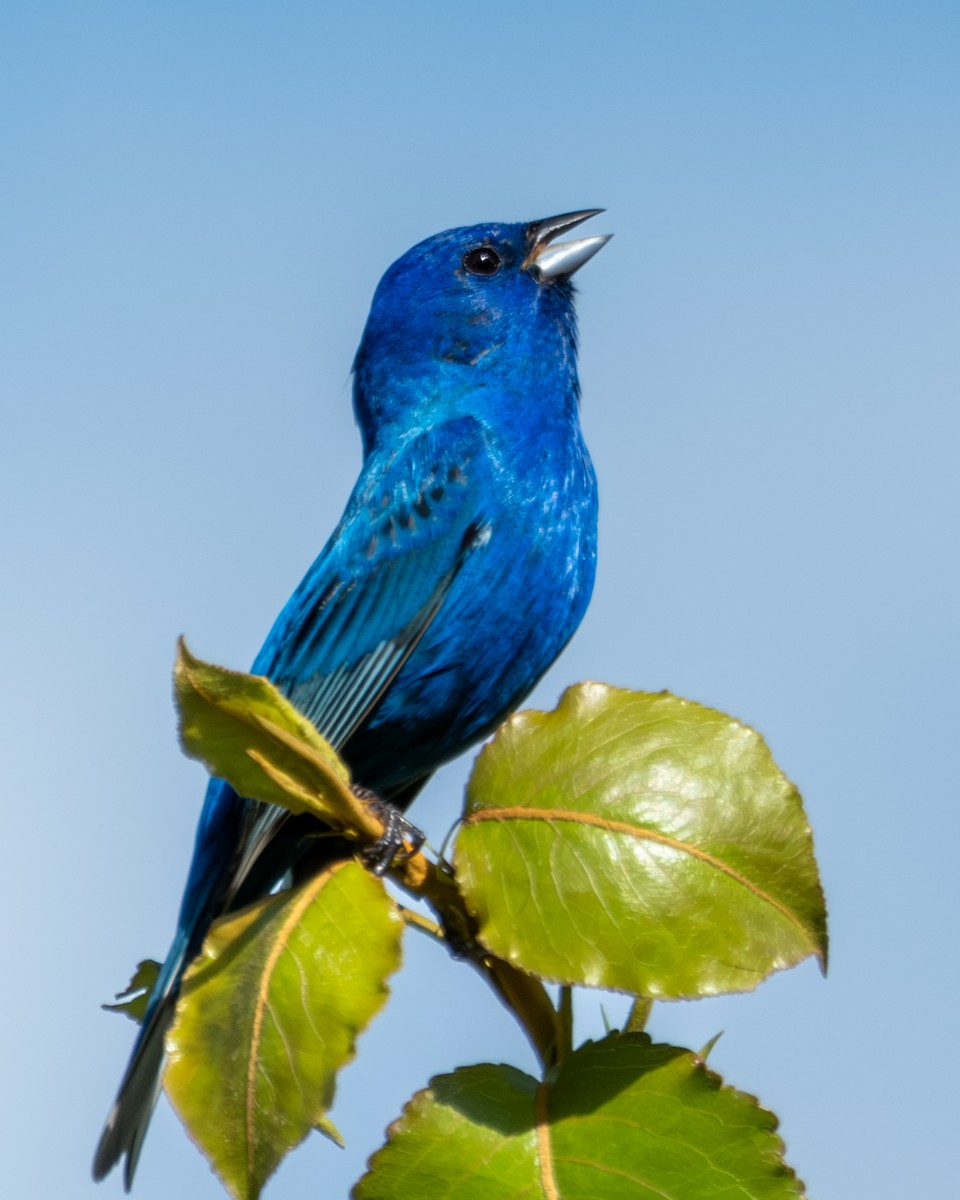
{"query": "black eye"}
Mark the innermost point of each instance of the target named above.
(484, 260)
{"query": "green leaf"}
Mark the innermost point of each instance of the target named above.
(271, 1011)
(251, 736)
(621, 1119)
(132, 1001)
(638, 842)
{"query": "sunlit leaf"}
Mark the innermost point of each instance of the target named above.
(639, 842)
(271, 1012)
(621, 1119)
(248, 734)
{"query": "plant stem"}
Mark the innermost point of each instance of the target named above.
(565, 1022)
(523, 994)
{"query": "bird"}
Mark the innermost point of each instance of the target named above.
(463, 563)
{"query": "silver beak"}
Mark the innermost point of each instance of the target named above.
(547, 261)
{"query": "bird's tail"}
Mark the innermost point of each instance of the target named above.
(129, 1118)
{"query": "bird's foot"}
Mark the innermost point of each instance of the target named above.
(461, 941)
(397, 831)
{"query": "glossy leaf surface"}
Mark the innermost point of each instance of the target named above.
(638, 842)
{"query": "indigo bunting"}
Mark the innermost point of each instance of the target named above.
(462, 565)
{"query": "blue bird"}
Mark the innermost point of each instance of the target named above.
(462, 565)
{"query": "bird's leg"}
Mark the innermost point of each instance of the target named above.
(462, 941)
(396, 830)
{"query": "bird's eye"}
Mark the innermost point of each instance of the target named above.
(483, 260)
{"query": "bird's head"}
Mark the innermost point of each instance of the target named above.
(466, 311)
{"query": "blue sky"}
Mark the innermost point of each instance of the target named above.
(197, 202)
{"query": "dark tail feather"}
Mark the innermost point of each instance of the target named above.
(129, 1118)
(220, 889)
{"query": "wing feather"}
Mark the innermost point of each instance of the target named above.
(372, 593)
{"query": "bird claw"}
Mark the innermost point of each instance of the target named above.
(397, 830)
(462, 943)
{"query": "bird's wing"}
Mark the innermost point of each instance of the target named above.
(409, 526)
(411, 523)
(367, 600)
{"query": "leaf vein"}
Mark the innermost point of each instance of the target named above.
(519, 813)
(261, 1004)
(548, 1178)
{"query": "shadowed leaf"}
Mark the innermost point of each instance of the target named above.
(132, 1001)
(622, 1119)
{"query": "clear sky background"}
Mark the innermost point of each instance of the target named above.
(196, 202)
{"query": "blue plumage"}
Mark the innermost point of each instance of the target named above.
(463, 563)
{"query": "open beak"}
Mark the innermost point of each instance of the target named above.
(547, 261)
